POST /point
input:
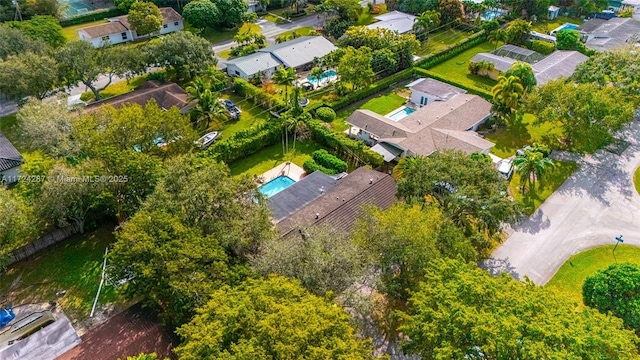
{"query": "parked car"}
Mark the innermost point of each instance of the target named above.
(233, 109)
(229, 104)
(208, 139)
(307, 86)
(505, 168)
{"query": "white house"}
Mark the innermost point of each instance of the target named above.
(394, 21)
(425, 91)
(10, 161)
(298, 53)
(118, 30)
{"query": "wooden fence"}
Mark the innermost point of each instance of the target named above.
(41, 243)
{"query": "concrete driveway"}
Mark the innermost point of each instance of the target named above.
(596, 204)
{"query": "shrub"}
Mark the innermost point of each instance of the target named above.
(310, 166)
(258, 96)
(326, 114)
(543, 47)
(323, 158)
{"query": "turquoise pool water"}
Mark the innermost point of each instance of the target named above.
(492, 14)
(400, 114)
(325, 75)
(276, 185)
(565, 26)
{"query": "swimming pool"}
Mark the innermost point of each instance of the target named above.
(565, 26)
(400, 114)
(325, 75)
(492, 14)
(276, 185)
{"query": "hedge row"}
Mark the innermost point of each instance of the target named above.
(246, 142)
(342, 144)
(541, 46)
(471, 90)
(258, 96)
(372, 89)
(434, 59)
(310, 166)
(92, 16)
(323, 158)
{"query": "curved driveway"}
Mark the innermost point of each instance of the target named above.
(596, 204)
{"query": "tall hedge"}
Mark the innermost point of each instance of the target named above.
(310, 166)
(343, 145)
(323, 158)
(258, 96)
(92, 16)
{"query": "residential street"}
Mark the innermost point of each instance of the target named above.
(595, 205)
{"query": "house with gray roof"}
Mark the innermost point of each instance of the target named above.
(10, 161)
(394, 21)
(602, 35)
(298, 53)
(440, 125)
(298, 195)
(426, 90)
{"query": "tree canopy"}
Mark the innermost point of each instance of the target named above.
(460, 312)
(273, 318)
(201, 13)
(45, 28)
(183, 52)
(620, 68)
(616, 290)
(145, 18)
(355, 67)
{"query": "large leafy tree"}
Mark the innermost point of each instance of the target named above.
(48, 126)
(145, 18)
(201, 13)
(401, 46)
(232, 11)
(321, 258)
(518, 32)
(201, 194)
(78, 61)
(587, 113)
(616, 290)
(450, 10)
(273, 318)
(418, 6)
(348, 10)
(45, 28)
(14, 42)
(460, 312)
(531, 166)
(355, 67)
(183, 52)
(621, 68)
(402, 240)
(168, 263)
(28, 74)
(568, 39)
(469, 190)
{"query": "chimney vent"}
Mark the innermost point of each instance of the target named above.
(370, 181)
(317, 216)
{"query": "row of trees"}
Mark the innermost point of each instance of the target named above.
(30, 68)
(217, 14)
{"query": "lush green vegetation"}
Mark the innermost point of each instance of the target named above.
(9, 127)
(217, 36)
(301, 31)
(511, 138)
(457, 68)
(74, 266)
(269, 157)
(547, 26)
(440, 40)
(573, 272)
(553, 178)
(384, 104)
(636, 179)
(251, 115)
(119, 88)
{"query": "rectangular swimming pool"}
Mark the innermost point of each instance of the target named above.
(565, 26)
(325, 75)
(400, 114)
(276, 185)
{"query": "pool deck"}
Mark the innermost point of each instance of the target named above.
(286, 168)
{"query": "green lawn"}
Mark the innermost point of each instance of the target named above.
(384, 104)
(510, 139)
(301, 31)
(115, 89)
(217, 36)
(71, 32)
(272, 156)
(551, 181)
(74, 266)
(271, 17)
(456, 69)
(636, 179)
(251, 115)
(440, 40)
(571, 275)
(225, 54)
(546, 27)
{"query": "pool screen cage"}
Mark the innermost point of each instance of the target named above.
(518, 53)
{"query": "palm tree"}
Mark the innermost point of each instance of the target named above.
(496, 36)
(282, 38)
(404, 164)
(508, 91)
(285, 77)
(316, 73)
(426, 21)
(531, 166)
(196, 88)
(209, 108)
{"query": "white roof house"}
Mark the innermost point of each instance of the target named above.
(297, 53)
(560, 63)
(602, 35)
(394, 21)
(118, 30)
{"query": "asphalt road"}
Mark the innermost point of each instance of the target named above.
(595, 205)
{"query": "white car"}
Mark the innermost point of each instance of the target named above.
(207, 139)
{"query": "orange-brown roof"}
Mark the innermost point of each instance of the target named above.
(167, 95)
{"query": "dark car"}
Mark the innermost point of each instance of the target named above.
(229, 104)
(307, 86)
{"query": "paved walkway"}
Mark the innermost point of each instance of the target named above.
(596, 204)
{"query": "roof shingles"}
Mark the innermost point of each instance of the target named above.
(10, 157)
